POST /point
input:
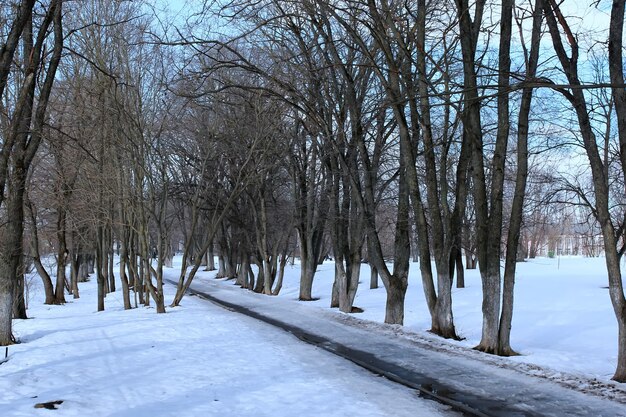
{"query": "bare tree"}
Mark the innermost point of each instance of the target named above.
(25, 133)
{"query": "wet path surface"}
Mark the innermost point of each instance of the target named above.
(469, 386)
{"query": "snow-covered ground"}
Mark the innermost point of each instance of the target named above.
(199, 359)
(563, 319)
(196, 360)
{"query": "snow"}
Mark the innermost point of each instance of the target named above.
(200, 359)
(196, 360)
(563, 318)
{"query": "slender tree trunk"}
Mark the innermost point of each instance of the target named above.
(110, 251)
(61, 255)
(457, 262)
(19, 304)
(74, 272)
(47, 281)
(34, 244)
(616, 72)
(515, 221)
(281, 274)
(123, 256)
(100, 264)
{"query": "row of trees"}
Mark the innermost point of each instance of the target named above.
(366, 130)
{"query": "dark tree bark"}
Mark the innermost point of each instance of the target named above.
(515, 220)
(26, 133)
(34, 253)
(616, 73)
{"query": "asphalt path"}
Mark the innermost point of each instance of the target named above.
(472, 387)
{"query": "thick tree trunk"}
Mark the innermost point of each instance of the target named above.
(616, 293)
(444, 322)
(620, 371)
(307, 272)
(394, 306)
(490, 309)
(260, 282)
(6, 313)
(373, 277)
(353, 273)
(242, 276)
(11, 252)
(25, 132)
(341, 287)
(221, 272)
(210, 259)
(83, 267)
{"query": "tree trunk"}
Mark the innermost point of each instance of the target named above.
(307, 272)
(123, 277)
(394, 306)
(557, 24)
(221, 272)
(616, 72)
(61, 255)
(260, 281)
(47, 281)
(281, 274)
(490, 308)
(353, 273)
(250, 278)
(470, 260)
(90, 259)
(373, 277)
(34, 245)
(25, 133)
(19, 303)
(242, 276)
(457, 260)
(11, 252)
(334, 293)
(169, 256)
(111, 265)
(268, 277)
(517, 207)
(210, 259)
(99, 268)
